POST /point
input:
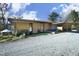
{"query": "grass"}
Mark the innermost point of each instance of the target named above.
(5, 38)
(14, 38)
(38, 34)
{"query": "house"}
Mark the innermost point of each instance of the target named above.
(66, 25)
(35, 25)
(38, 25)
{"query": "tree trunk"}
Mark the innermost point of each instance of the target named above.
(3, 18)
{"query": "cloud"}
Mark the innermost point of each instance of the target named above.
(24, 13)
(66, 9)
(61, 5)
(16, 7)
(32, 15)
(54, 8)
(9, 4)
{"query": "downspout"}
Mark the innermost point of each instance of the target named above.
(43, 27)
(67, 27)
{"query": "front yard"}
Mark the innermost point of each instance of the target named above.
(10, 37)
(45, 45)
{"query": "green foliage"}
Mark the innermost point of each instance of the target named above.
(5, 38)
(21, 32)
(18, 34)
(77, 26)
(73, 16)
(53, 16)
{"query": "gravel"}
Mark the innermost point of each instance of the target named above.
(62, 44)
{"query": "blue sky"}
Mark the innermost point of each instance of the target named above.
(40, 10)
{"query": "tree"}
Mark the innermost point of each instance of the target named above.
(53, 16)
(73, 16)
(3, 8)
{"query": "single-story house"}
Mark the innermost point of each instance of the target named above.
(66, 25)
(35, 25)
(38, 26)
(63, 26)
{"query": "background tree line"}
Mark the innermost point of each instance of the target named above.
(72, 16)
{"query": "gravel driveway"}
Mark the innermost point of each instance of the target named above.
(45, 45)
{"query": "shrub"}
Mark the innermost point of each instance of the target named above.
(19, 33)
(58, 31)
(6, 38)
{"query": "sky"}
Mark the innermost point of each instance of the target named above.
(40, 11)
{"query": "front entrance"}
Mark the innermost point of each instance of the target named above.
(31, 27)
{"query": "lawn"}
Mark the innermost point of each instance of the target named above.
(5, 38)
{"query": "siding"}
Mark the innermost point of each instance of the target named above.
(47, 26)
(67, 26)
(36, 26)
(40, 27)
(21, 26)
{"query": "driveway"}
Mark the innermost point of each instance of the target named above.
(63, 44)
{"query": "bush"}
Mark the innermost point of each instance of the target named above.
(6, 38)
(58, 31)
(77, 27)
(19, 33)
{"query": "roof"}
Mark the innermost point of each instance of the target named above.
(46, 21)
(58, 23)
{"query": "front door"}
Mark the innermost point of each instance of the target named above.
(31, 26)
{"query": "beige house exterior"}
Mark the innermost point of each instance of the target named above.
(66, 26)
(36, 25)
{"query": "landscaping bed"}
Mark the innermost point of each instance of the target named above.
(5, 38)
